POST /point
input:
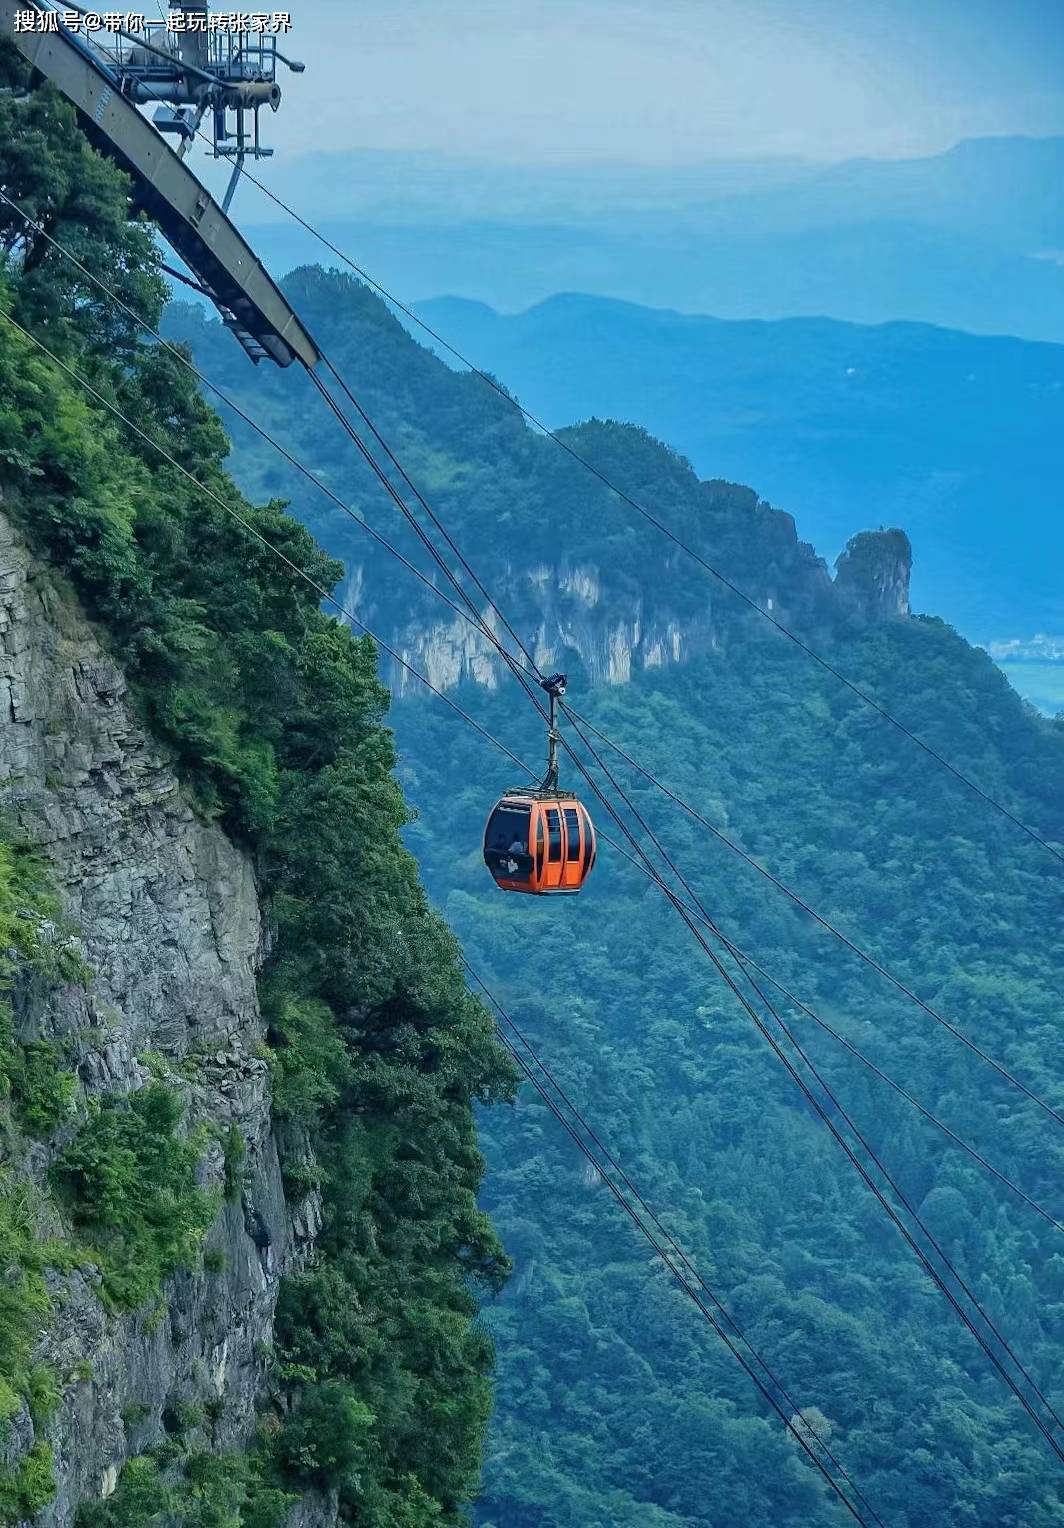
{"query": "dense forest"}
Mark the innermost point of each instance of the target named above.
(379, 1387)
(610, 1389)
(615, 1404)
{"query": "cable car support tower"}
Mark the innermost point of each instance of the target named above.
(196, 72)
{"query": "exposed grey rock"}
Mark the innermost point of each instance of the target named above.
(615, 624)
(872, 575)
(168, 919)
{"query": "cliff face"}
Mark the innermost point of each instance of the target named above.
(585, 580)
(570, 613)
(168, 919)
(872, 575)
(575, 610)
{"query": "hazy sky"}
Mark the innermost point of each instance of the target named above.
(670, 80)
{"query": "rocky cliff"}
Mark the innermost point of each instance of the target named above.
(588, 583)
(574, 611)
(872, 575)
(165, 912)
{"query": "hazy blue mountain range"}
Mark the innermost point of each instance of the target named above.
(1000, 188)
(393, 185)
(959, 438)
(971, 239)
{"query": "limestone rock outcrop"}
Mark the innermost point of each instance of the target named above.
(872, 575)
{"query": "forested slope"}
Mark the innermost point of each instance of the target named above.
(372, 1385)
(615, 1405)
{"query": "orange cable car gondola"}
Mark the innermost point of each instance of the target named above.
(540, 840)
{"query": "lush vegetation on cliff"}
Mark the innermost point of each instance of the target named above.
(34, 1093)
(613, 1401)
(499, 486)
(275, 717)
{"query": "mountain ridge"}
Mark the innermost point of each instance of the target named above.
(408, 176)
(585, 579)
(965, 239)
(572, 301)
(932, 428)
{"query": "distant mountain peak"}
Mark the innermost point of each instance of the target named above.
(872, 574)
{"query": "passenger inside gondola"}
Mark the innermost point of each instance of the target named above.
(506, 843)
